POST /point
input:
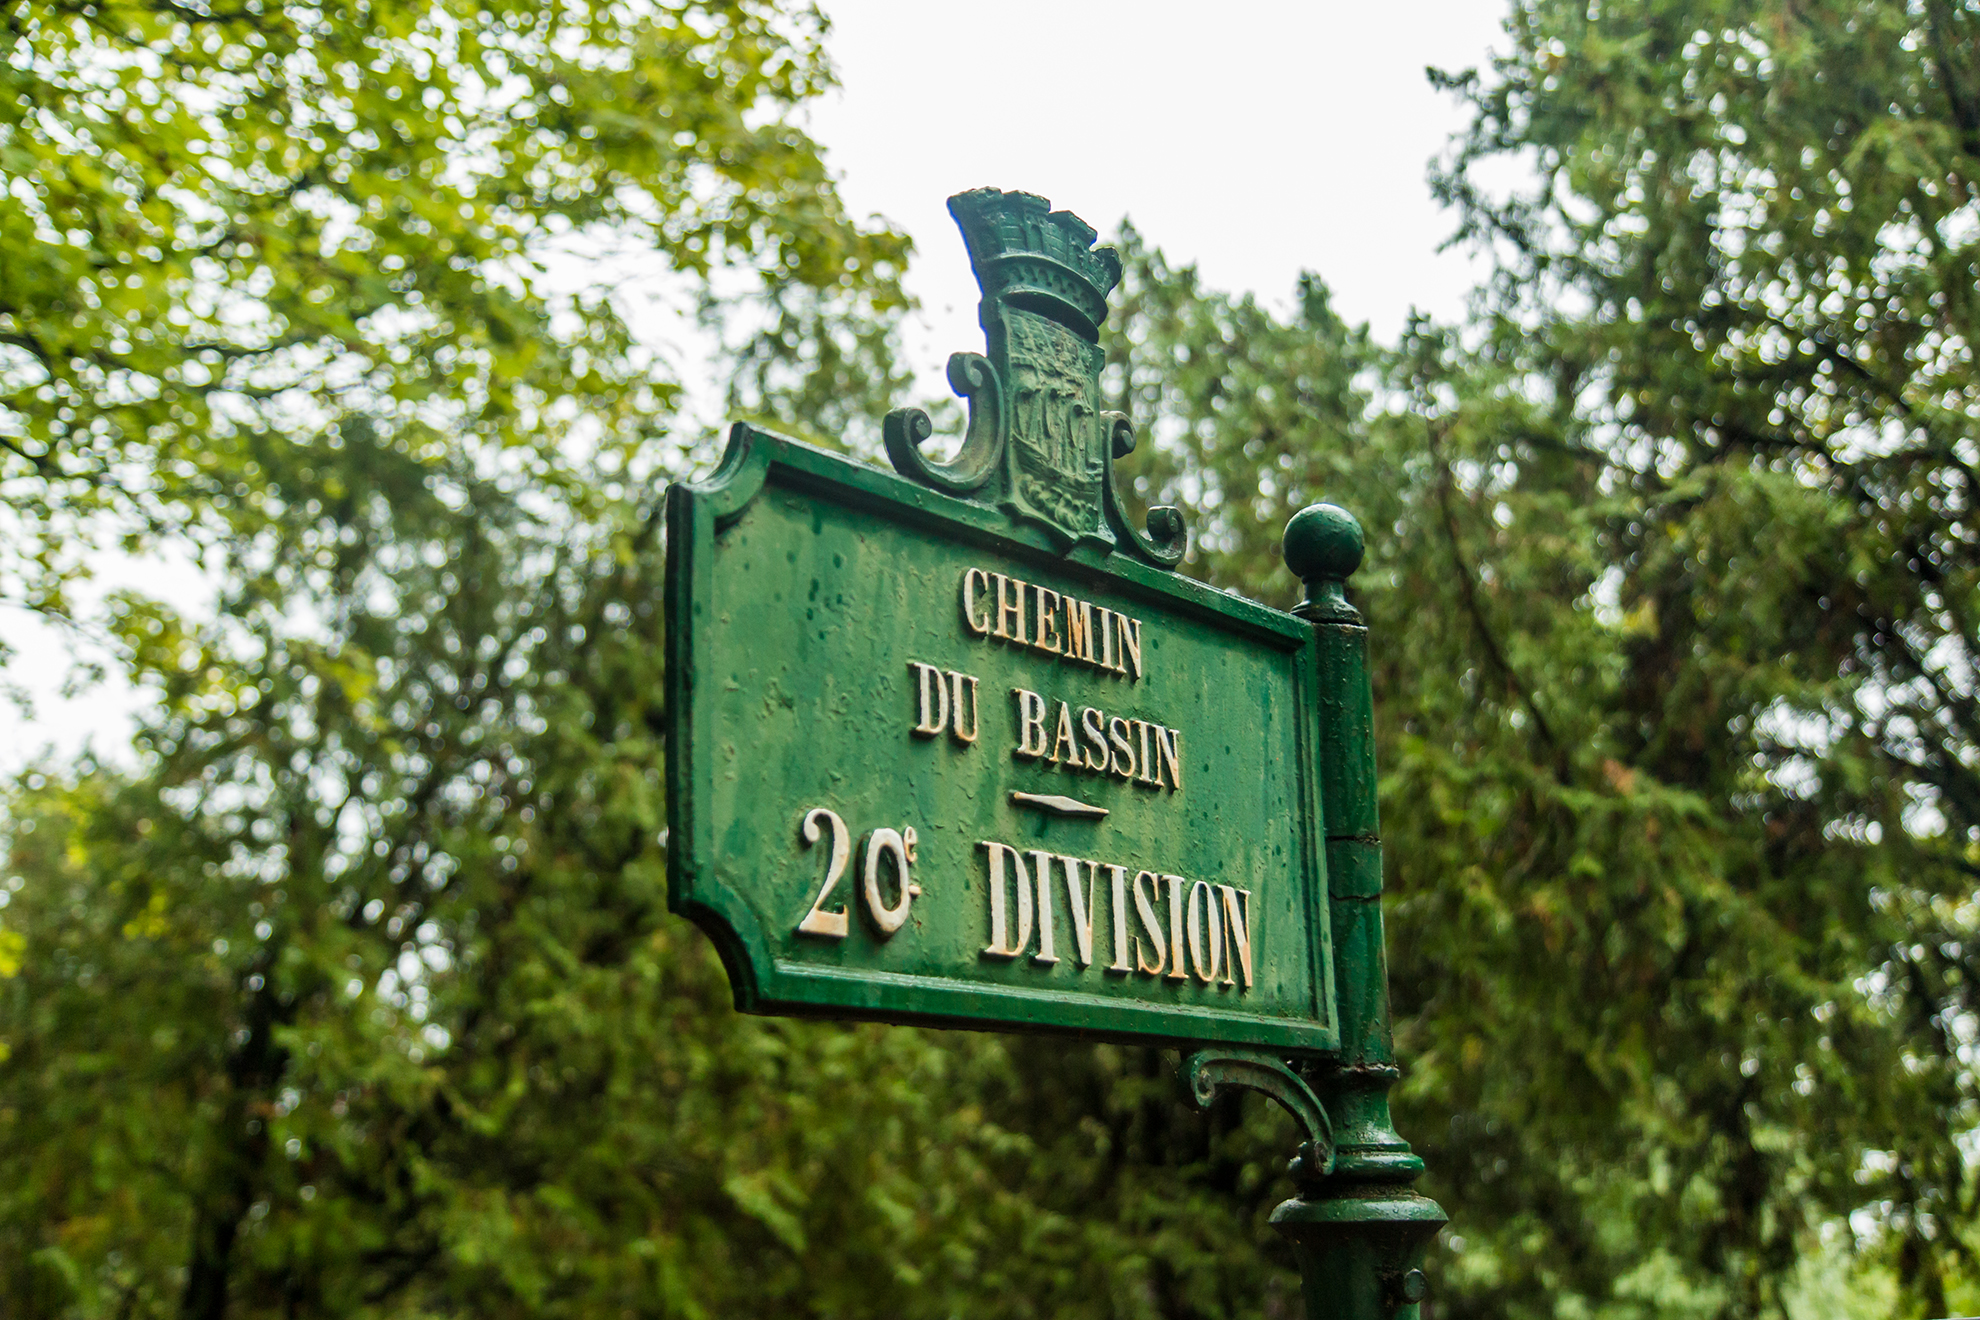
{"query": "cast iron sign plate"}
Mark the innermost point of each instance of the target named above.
(959, 747)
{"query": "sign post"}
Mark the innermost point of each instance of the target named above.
(1359, 1231)
(955, 745)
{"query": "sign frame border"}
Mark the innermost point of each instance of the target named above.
(754, 461)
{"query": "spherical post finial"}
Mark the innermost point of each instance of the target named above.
(1323, 546)
(1323, 541)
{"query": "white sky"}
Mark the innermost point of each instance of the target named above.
(1257, 138)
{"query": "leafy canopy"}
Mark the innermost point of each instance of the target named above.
(232, 224)
(357, 998)
(1712, 480)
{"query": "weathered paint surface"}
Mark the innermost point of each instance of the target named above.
(802, 587)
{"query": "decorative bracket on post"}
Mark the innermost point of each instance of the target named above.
(1209, 1071)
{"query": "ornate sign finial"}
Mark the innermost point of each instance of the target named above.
(1038, 445)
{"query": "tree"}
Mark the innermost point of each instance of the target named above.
(354, 996)
(1672, 588)
(359, 999)
(1649, 895)
(1746, 275)
(234, 222)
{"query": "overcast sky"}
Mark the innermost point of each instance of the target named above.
(1257, 138)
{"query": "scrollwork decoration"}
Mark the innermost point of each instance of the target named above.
(1167, 539)
(1210, 1071)
(905, 430)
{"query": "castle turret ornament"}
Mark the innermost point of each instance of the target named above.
(1038, 445)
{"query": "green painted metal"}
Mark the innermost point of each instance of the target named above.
(812, 599)
(1211, 1071)
(817, 606)
(1038, 446)
(1360, 1233)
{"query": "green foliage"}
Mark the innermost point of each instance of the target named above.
(1741, 297)
(356, 995)
(1673, 590)
(360, 1000)
(1246, 419)
(230, 223)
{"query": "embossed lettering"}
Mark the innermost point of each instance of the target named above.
(1041, 870)
(1146, 766)
(1065, 740)
(1001, 944)
(817, 921)
(1031, 723)
(1091, 744)
(974, 583)
(900, 845)
(1046, 617)
(944, 699)
(1237, 925)
(1207, 939)
(934, 699)
(1168, 752)
(1117, 887)
(1130, 630)
(1010, 607)
(1079, 630)
(1027, 614)
(1206, 936)
(1150, 936)
(1123, 762)
(1094, 725)
(1177, 972)
(957, 685)
(1079, 905)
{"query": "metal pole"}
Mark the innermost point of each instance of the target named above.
(1359, 1231)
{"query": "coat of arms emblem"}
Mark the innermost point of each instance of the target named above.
(1039, 444)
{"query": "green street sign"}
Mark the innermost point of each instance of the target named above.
(956, 744)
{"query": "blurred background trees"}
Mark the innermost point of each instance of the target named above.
(354, 992)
